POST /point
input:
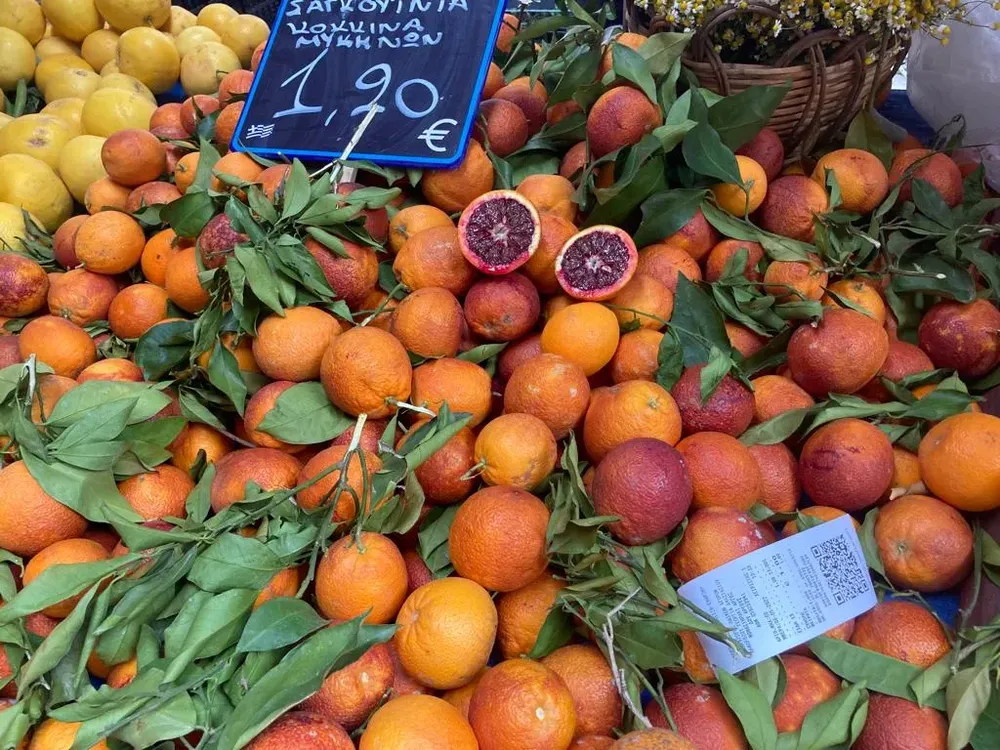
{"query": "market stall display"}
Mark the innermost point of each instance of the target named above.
(433, 458)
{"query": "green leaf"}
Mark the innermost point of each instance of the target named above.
(278, 623)
(663, 50)
(829, 724)
(630, 65)
(777, 429)
(670, 359)
(712, 374)
(189, 214)
(866, 134)
(666, 213)
(235, 561)
(930, 203)
(93, 395)
(296, 193)
(581, 70)
(881, 673)
(163, 347)
(92, 494)
(556, 632)
(753, 710)
(932, 680)
(431, 437)
(103, 423)
(967, 696)
(56, 645)
(224, 374)
(649, 179)
(777, 248)
(298, 675)
(208, 157)
(769, 676)
(706, 154)
(432, 540)
(260, 277)
(175, 718)
(739, 117)
(698, 323)
(303, 415)
(482, 353)
(935, 274)
(649, 643)
(59, 582)
(986, 735)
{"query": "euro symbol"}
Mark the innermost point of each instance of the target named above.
(435, 133)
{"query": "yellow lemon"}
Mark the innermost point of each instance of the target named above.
(99, 47)
(4, 119)
(126, 83)
(128, 14)
(69, 110)
(12, 227)
(151, 57)
(72, 19)
(80, 164)
(17, 59)
(202, 68)
(40, 136)
(34, 186)
(180, 19)
(25, 17)
(109, 110)
(242, 35)
(215, 16)
(110, 68)
(71, 82)
(190, 38)
(53, 64)
(50, 46)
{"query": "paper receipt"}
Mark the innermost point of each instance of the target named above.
(784, 594)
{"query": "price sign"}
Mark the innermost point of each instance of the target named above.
(421, 64)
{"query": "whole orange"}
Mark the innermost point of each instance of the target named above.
(702, 716)
(740, 200)
(30, 518)
(350, 694)
(182, 283)
(158, 493)
(637, 356)
(713, 537)
(629, 410)
(522, 612)
(268, 468)
(591, 682)
(361, 575)
(665, 262)
(445, 632)
(863, 179)
(136, 309)
(807, 684)
(413, 220)
(795, 280)
(903, 630)
(521, 703)
(644, 302)
(429, 322)
(924, 544)
(960, 463)
(516, 450)
(81, 296)
(552, 388)
(585, 333)
(464, 386)
(302, 729)
(847, 464)
(497, 538)
(196, 439)
(291, 346)
(366, 371)
(65, 552)
(776, 394)
(781, 489)
(723, 471)
(451, 190)
(62, 345)
(413, 721)
(897, 722)
(110, 242)
(433, 257)
(839, 354)
(653, 739)
(792, 206)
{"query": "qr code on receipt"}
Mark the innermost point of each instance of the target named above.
(840, 568)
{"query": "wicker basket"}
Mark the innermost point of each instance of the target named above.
(825, 93)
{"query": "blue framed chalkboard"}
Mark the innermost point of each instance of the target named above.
(421, 64)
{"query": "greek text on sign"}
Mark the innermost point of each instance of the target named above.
(784, 594)
(420, 64)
